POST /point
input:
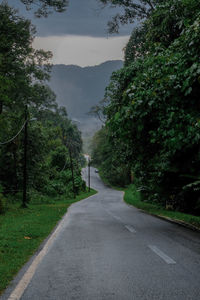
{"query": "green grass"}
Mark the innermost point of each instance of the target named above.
(132, 197)
(23, 230)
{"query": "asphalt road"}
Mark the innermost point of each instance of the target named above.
(109, 250)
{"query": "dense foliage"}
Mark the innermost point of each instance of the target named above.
(153, 106)
(111, 156)
(53, 141)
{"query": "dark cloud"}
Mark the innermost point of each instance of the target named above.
(83, 17)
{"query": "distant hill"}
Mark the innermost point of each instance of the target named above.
(78, 89)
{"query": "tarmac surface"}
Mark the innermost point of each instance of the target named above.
(107, 250)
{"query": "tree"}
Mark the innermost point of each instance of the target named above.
(23, 87)
(169, 19)
(136, 46)
(133, 10)
(22, 69)
(153, 108)
(46, 6)
(63, 146)
(111, 157)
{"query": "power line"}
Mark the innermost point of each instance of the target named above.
(10, 140)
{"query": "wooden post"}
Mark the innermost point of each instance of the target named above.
(72, 171)
(89, 175)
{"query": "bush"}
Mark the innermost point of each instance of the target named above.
(3, 201)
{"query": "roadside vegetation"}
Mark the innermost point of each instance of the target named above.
(40, 147)
(151, 135)
(133, 197)
(23, 230)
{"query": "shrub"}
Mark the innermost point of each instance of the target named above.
(2, 201)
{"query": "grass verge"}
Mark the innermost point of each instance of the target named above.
(23, 230)
(132, 197)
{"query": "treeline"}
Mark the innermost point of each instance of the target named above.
(29, 116)
(152, 109)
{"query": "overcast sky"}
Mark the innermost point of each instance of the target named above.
(79, 35)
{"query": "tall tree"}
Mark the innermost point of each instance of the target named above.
(21, 66)
(153, 106)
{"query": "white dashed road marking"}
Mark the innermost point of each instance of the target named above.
(130, 228)
(115, 217)
(162, 255)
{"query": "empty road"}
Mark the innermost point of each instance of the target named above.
(109, 250)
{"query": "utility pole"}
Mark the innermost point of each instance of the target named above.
(89, 174)
(72, 171)
(24, 203)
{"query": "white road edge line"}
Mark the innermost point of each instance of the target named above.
(130, 228)
(162, 255)
(24, 282)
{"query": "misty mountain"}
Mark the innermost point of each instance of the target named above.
(78, 89)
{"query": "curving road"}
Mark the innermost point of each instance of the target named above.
(110, 251)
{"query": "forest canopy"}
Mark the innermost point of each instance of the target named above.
(30, 118)
(152, 131)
